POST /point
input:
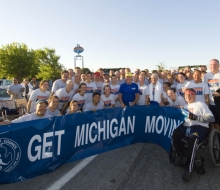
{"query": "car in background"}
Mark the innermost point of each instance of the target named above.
(5, 83)
(3, 94)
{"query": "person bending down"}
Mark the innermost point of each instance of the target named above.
(40, 113)
(95, 103)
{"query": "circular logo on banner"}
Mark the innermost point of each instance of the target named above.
(10, 154)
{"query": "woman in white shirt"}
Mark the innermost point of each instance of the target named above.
(144, 91)
(114, 89)
(180, 88)
(81, 97)
(108, 98)
(38, 94)
(91, 86)
(174, 99)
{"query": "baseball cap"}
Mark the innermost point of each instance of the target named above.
(97, 74)
(42, 101)
(128, 74)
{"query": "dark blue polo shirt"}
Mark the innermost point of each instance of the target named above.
(128, 92)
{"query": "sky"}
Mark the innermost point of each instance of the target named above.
(117, 33)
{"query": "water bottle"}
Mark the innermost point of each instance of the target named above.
(187, 131)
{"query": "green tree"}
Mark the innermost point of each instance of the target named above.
(16, 60)
(161, 66)
(49, 66)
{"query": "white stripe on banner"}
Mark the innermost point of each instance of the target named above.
(63, 180)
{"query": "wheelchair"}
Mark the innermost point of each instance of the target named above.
(212, 144)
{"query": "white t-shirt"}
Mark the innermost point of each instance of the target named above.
(29, 117)
(198, 109)
(108, 101)
(16, 89)
(179, 88)
(173, 85)
(146, 81)
(121, 81)
(160, 80)
(99, 86)
(53, 113)
(91, 87)
(180, 101)
(63, 96)
(176, 83)
(82, 100)
(38, 95)
(155, 91)
(201, 89)
(91, 107)
(165, 97)
(75, 88)
(213, 81)
(57, 85)
(114, 91)
(144, 90)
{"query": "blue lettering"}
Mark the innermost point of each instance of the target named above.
(198, 92)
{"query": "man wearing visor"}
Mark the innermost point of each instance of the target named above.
(128, 92)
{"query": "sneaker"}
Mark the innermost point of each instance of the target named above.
(178, 161)
(187, 176)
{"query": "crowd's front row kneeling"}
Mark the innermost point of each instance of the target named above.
(40, 113)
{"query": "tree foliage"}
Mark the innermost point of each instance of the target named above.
(49, 66)
(161, 66)
(16, 60)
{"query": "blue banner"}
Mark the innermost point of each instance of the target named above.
(33, 148)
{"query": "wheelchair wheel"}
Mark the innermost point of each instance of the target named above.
(214, 147)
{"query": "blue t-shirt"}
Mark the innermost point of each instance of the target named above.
(128, 92)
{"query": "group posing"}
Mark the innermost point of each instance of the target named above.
(93, 91)
(196, 91)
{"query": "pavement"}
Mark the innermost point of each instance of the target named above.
(136, 167)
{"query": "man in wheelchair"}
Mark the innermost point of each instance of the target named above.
(195, 129)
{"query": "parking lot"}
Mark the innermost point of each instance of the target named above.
(139, 166)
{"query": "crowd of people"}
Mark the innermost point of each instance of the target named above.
(195, 90)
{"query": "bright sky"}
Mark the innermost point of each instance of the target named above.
(117, 33)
